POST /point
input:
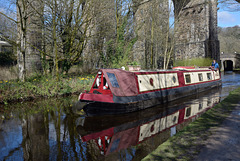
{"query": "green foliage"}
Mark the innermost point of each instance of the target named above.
(134, 63)
(43, 86)
(123, 59)
(200, 62)
(119, 48)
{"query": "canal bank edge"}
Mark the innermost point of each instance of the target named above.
(187, 143)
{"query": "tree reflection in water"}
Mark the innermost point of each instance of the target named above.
(45, 130)
(49, 130)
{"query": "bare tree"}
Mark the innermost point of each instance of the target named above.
(67, 27)
(229, 39)
(22, 32)
(8, 26)
(230, 5)
(29, 36)
(111, 34)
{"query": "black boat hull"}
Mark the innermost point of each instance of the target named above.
(146, 100)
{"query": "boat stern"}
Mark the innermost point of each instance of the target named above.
(100, 91)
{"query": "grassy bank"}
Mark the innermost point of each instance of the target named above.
(236, 70)
(43, 86)
(200, 62)
(187, 143)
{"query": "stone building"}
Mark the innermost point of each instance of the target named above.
(196, 29)
(151, 26)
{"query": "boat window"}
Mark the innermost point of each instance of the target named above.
(174, 79)
(115, 145)
(105, 84)
(113, 80)
(209, 103)
(200, 77)
(97, 82)
(200, 106)
(188, 78)
(174, 119)
(95, 86)
(151, 81)
(209, 76)
(188, 112)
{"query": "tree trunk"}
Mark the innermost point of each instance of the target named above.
(55, 48)
(22, 18)
(29, 27)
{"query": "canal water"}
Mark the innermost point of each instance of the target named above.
(50, 130)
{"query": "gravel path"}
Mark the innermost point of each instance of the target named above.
(224, 144)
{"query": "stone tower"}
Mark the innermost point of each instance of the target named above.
(34, 37)
(30, 35)
(196, 29)
(101, 29)
(151, 25)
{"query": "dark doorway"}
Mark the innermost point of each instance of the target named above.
(228, 65)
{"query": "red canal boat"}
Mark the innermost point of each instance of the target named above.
(110, 139)
(116, 91)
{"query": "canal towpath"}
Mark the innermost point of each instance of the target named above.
(224, 143)
(213, 136)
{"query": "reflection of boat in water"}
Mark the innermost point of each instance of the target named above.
(117, 91)
(110, 139)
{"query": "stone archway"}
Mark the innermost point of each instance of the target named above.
(228, 62)
(228, 65)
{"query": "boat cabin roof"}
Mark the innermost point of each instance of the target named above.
(125, 83)
(121, 82)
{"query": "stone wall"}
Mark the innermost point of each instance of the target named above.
(34, 24)
(151, 26)
(34, 37)
(196, 29)
(101, 30)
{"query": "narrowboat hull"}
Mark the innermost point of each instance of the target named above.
(146, 100)
(114, 133)
(136, 96)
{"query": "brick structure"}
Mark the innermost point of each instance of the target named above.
(196, 29)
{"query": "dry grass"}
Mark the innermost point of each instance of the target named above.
(8, 73)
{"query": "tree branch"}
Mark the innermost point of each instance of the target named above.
(8, 17)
